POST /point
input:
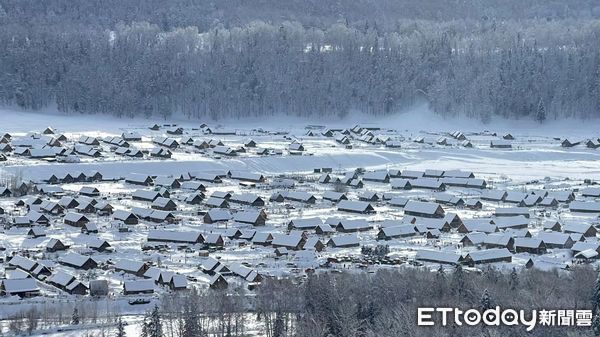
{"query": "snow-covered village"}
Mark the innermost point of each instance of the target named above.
(109, 222)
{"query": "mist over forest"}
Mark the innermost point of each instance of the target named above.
(528, 59)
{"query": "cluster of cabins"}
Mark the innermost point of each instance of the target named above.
(489, 239)
(592, 143)
(50, 145)
(26, 274)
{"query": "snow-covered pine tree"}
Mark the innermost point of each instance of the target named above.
(540, 115)
(486, 301)
(278, 327)
(155, 325)
(144, 323)
(596, 324)
(120, 328)
(75, 317)
(458, 280)
(596, 296)
(514, 279)
(191, 321)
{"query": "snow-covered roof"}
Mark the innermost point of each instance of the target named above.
(576, 227)
(438, 256)
(249, 216)
(554, 238)
(122, 214)
(306, 223)
(476, 237)
(581, 246)
(286, 240)
(129, 265)
(16, 286)
(60, 278)
(591, 192)
(495, 195)
(511, 221)
(74, 259)
(528, 242)
(401, 230)
(245, 175)
(332, 195)
(138, 285)
(74, 217)
(479, 225)
(515, 197)
(489, 254)
(299, 196)
(376, 175)
(174, 236)
(345, 240)
(584, 206)
(355, 206)
(421, 207)
(22, 262)
(219, 214)
(411, 174)
(354, 224)
(145, 194)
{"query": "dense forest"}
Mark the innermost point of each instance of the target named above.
(514, 59)
(344, 305)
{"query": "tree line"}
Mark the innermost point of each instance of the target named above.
(346, 304)
(311, 13)
(519, 69)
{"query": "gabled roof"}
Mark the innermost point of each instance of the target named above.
(122, 215)
(332, 195)
(245, 175)
(511, 221)
(244, 198)
(475, 237)
(22, 262)
(489, 254)
(515, 197)
(173, 236)
(576, 227)
(438, 256)
(60, 278)
(584, 206)
(355, 206)
(376, 175)
(345, 240)
(479, 225)
(138, 286)
(495, 195)
(249, 216)
(17, 286)
(554, 238)
(146, 194)
(511, 211)
(422, 207)
(286, 240)
(402, 230)
(75, 217)
(306, 223)
(299, 196)
(129, 265)
(354, 224)
(528, 242)
(74, 259)
(219, 214)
